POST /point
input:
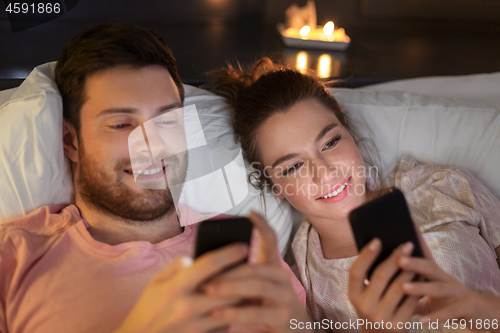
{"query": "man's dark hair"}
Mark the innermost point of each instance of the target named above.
(102, 47)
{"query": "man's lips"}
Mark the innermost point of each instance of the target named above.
(146, 170)
(335, 188)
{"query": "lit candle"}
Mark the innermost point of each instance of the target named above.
(328, 28)
(304, 30)
(313, 36)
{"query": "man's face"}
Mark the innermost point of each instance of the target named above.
(117, 101)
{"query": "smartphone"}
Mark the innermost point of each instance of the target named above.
(387, 218)
(216, 233)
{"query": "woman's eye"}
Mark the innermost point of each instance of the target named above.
(332, 142)
(291, 169)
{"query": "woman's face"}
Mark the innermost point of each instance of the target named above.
(313, 161)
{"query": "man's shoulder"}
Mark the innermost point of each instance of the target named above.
(42, 223)
(24, 241)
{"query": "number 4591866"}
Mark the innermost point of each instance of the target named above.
(479, 324)
(40, 8)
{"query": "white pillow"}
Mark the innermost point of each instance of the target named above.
(34, 171)
(433, 130)
(482, 87)
(213, 113)
(5, 95)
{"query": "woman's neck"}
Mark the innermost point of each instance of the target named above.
(336, 238)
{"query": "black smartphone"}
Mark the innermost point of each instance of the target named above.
(216, 233)
(387, 218)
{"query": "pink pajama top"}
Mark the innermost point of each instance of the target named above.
(54, 277)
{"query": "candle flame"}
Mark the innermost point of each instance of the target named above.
(328, 28)
(302, 61)
(324, 65)
(304, 30)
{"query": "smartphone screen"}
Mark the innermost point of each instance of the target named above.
(216, 233)
(388, 219)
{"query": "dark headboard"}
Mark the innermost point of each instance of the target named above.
(204, 34)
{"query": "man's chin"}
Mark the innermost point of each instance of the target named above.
(158, 185)
(130, 202)
(144, 204)
(140, 208)
(119, 196)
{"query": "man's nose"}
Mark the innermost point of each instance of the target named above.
(137, 142)
(162, 142)
(165, 141)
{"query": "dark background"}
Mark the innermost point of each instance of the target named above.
(390, 39)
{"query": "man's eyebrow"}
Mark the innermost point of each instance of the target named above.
(160, 110)
(170, 107)
(321, 134)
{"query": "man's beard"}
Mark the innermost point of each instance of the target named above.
(112, 196)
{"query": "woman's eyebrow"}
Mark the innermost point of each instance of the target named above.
(324, 131)
(284, 158)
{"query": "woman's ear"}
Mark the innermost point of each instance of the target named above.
(70, 141)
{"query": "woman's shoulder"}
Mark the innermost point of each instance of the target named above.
(439, 194)
(410, 174)
(302, 234)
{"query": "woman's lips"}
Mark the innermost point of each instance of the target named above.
(344, 191)
(336, 188)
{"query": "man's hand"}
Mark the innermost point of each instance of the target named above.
(266, 285)
(172, 301)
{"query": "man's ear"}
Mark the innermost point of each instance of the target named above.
(70, 141)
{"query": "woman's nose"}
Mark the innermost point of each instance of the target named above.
(323, 172)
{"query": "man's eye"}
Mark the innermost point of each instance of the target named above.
(291, 169)
(166, 123)
(332, 142)
(119, 126)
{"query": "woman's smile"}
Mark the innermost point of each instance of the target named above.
(338, 193)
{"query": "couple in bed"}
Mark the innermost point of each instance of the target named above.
(118, 260)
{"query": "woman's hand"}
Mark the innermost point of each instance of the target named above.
(382, 298)
(272, 300)
(444, 297)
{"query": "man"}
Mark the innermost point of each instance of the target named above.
(118, 260)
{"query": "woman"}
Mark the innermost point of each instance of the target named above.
(299, 141)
